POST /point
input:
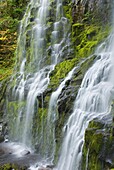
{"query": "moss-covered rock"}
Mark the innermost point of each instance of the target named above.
(60, 72)
(66, 100)
(87, 37)
(39, 130)
(97, 153)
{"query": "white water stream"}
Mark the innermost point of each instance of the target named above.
(53, 114)
(38, 82)
(93, 101)
(94, 96)
(34, 66)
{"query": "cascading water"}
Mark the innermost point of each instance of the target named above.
(38, 82)
(93, 101)
(41, 46)
(53, 115)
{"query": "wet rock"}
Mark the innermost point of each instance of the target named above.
(50, 166)
(25, 152)
(1, 139)
(100, 141)
(32, 19)
(44, 168)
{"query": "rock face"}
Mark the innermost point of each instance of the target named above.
(90, 24)
(98, 9)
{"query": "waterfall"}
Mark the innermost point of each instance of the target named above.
(53, 113)
(41, 43)
(93, 101)
(37, 82)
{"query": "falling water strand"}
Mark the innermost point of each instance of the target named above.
(87, 158)
(60, 36)
(41, 45)
(53, 115)
(53, 111)
(93, 101)
(59, 41)
(40, 79)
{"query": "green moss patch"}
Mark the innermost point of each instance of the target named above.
(60, 72)
(87, 37)
(98, 146)
(4, 73)
(9, 166)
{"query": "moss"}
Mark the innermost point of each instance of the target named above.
(99, 145)
(13, 110)
(67, 7)
(93, 144)
(60, 71)
(6, 167)
(3, 87)
(42, 113)
(4, 73)
(39, 126)
(86, 34)
(7, 48)
(14, 106)
(77, 28)
(12, 166)
(87, 37)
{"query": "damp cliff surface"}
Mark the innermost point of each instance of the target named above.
(89, 27)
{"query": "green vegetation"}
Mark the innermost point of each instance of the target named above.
(98, 144)
(67, 7)
(11, 11)
(39, 126)
(60, 71)
(86, 37)
(13, 109)
(12, 167)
